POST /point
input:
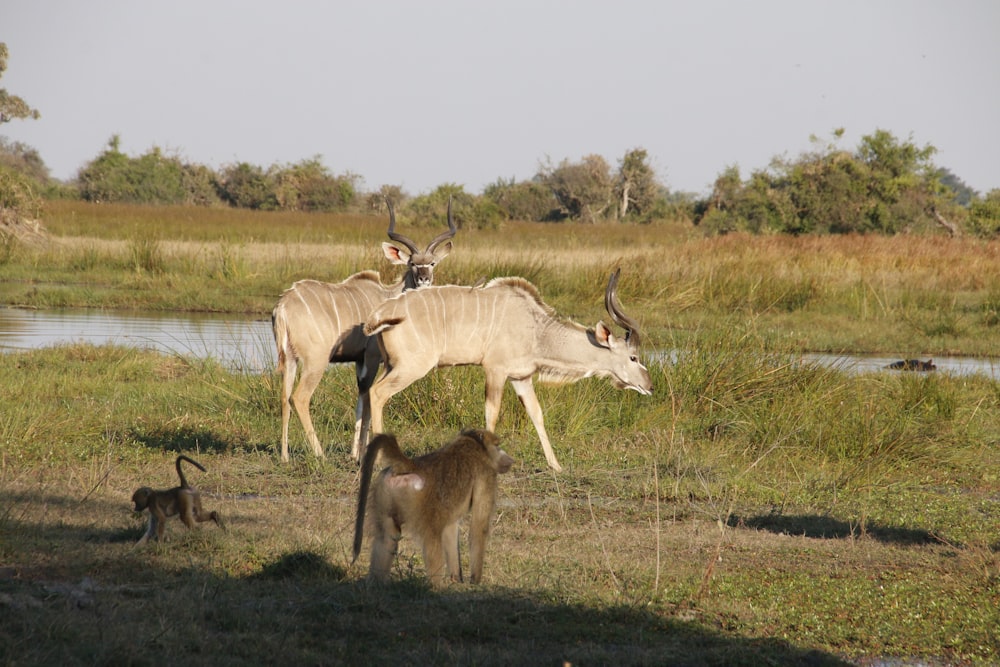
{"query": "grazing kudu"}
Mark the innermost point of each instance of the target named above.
(317, 323)
(506, 328)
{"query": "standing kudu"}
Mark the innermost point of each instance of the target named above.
(506, 328)
(318, 323)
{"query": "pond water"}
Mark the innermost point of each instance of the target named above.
(240, 343)
(247, 344)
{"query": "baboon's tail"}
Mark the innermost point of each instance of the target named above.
(180, 473)
(382, 440)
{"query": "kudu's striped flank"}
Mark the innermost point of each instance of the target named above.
(506, 328)
(317, 323)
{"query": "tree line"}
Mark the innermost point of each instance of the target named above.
(884, 185)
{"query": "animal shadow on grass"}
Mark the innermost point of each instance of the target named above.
(301, 565)
(183, 439)
(58, 536)
(335, 614)
(807, 525)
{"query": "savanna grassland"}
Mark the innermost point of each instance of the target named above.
(755, 510)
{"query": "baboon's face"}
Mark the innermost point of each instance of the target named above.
(501, 459)
(141, 498)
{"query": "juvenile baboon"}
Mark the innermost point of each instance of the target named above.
(183, 500)
(429, 495)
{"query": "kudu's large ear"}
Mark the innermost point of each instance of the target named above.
(395, 254)
(441, 251)
(603, 335)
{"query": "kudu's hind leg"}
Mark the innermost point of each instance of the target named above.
(301, 398)
(526, 394)
(394, 380)
(287, 383)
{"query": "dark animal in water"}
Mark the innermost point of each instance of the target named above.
(912, 365)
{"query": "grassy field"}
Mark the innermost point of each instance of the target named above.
(911, 296)
(752, 511)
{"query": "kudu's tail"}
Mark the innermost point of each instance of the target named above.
(279, 326)
(376, 325)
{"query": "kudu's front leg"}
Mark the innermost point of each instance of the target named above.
(526, 394)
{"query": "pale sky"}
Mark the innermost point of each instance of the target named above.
(420, 93)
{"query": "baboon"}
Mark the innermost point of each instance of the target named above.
(429, 495)
(183, 500)
(912, 365)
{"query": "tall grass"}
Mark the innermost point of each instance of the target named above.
(893, 295)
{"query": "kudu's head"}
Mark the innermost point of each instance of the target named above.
(420, 265)
(627, 372)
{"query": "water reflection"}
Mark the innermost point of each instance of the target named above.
(247, 344)
(239, 343)
(866, 364)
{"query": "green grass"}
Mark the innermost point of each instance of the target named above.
(754, 510)
(751, 511)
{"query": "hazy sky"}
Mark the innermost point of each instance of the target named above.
(420, 93)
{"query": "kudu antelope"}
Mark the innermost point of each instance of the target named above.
(317, 323)
(506, 328)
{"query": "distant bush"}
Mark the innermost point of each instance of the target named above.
(523, 200)
(309, 186)
(18, 195)
(151, 178)
(303, 186)
(24, 159)
(247, 186)
(984, 215)
(884, 186)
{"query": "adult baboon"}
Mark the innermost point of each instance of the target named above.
(429, 495)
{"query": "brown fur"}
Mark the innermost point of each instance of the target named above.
(183, 500)
(429, 495)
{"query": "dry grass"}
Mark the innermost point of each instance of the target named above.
(569, 577)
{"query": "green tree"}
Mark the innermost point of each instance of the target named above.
(884, 186)
(18, 199)
(583, 189)
(104, 178)
(309, 186)
(245, 185)
(636, 187)
(151, 178)
(901, 180)
(23, 158)
(394, 193)
(12, 106)
(984, 215)
(962, 192)
(522, 200)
